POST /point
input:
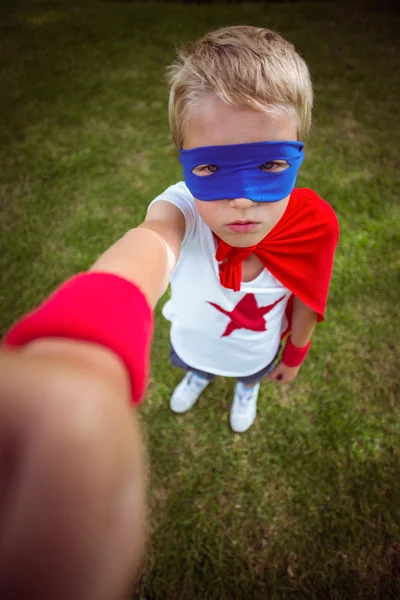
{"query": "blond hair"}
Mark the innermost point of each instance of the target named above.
(245, 67)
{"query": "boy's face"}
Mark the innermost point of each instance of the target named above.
(239, 222)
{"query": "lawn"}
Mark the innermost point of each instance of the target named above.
(305, 504)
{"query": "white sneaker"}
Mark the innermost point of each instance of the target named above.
(244, 407)
(187, 392)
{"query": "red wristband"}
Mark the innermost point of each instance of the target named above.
(293, 356)
(96, 307)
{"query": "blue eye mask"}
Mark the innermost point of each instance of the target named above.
(239, 173)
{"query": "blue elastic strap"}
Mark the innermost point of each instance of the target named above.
(239, 174)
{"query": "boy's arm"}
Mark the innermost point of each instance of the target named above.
(304, 320)
(64, 412)
(146, 255)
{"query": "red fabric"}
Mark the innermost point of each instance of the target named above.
(298, 251)
(95, 307)
(293, 356)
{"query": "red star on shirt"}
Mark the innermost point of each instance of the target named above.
(246, 314)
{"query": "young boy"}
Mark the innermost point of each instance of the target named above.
(249, 259)
(240, 100)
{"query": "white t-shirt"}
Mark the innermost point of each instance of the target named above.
(214, 329)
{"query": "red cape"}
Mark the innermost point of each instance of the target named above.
(298, 251)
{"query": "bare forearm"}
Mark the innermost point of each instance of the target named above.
(303, 323)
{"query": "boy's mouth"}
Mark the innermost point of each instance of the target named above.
(243, 226)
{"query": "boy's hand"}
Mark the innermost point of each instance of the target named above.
(283, 374)
(72, 453)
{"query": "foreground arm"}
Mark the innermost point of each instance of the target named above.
(72, 472)
(147, 255)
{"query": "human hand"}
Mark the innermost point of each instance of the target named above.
(283, 374)
(74, 455)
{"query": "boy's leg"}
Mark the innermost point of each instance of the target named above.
(72, 477)
(244, 407)
(187, 392)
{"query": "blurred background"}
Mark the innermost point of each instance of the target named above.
(306, 503)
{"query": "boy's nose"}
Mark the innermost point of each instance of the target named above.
(241, 203)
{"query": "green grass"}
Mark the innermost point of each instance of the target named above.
(306, 504)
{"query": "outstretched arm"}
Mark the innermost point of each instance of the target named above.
(72, 471)
(146, 255)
